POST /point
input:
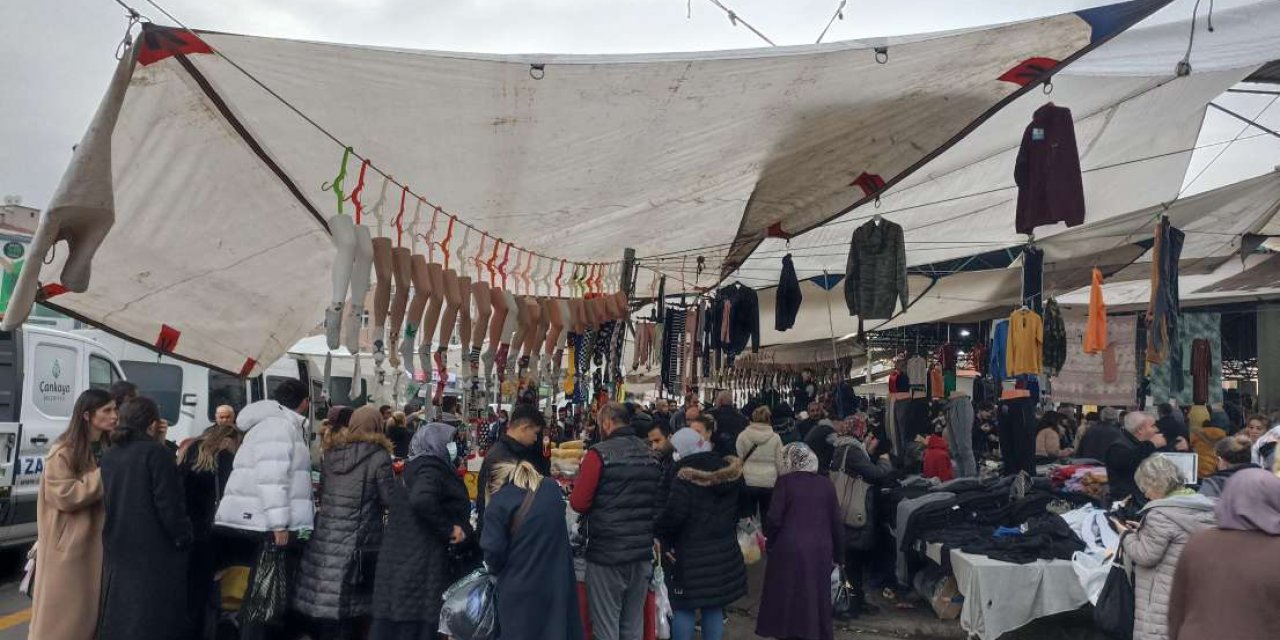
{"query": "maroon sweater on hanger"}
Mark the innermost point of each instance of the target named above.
(1047, 171)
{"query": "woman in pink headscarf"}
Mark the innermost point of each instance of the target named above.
(1227, 582)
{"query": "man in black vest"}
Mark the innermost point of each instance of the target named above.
(616, 490)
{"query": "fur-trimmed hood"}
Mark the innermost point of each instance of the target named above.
(710, 471)
(346, 449)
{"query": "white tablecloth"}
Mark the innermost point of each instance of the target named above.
(1001, 596)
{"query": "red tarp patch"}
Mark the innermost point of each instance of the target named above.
(869, 183)
(1028, 71)
(168, 340)
(775, 231)
(159, 43)
(249, 364)
(52, 290)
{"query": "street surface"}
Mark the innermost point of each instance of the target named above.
(15, 608)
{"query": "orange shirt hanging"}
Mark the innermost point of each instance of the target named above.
(1025, 354)
(1095, 334)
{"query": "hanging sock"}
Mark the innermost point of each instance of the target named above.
(333, 326)
(424, 357)
(406, 346)
(354, 394)
(353, 329)
(379, 345)
(501, 362)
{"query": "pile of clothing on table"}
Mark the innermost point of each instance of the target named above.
(1089, 479)
(1014, 519)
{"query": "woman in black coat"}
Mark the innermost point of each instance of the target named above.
(700, 519)
(204, 466)
(414, 566)
(146, 535)
(852, 457)
(530, 556)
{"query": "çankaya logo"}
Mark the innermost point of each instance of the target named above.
(55, 387)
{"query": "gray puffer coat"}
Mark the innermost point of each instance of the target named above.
(356, 487)
(1154, 549)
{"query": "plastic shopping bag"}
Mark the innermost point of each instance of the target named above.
(662, 603)
(750, 540)
(470, 608)
(268, 597)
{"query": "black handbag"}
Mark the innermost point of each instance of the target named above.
(268, 596)
(1114, 614)
(843, 604)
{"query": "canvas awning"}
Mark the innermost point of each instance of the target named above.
(219, 250)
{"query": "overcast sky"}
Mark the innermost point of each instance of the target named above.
(58, 54)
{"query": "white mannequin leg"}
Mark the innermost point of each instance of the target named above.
(343, 232)
(363, 264)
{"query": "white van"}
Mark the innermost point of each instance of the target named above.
(189, 394)
(42, 372)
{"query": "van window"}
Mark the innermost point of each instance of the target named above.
(56, 379)
(160, 382)
(273, 382)
(225, 389)
(101, 374)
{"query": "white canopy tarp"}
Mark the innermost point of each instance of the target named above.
(219, 250)
(1136, 129)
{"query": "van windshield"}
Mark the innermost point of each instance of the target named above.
(160, 382)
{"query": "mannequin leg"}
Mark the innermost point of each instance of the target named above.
(343, 231)
(509, 327)
(403, 273)
(362, 265)
(417, 305)
(434, 306)
(382, 266)
(464, 322)
(484, 309)
(452, 304)
(496, 323)
(533, 346)
(555, 314)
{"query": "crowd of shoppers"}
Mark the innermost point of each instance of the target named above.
(134, 536)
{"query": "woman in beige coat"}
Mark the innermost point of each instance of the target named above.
(1173, 514)
(69, 515)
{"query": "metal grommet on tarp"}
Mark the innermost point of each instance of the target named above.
(882, 54)
(537, 71)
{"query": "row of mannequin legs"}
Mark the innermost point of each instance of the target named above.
(518, 329)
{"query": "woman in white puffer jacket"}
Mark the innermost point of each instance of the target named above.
(759, 448)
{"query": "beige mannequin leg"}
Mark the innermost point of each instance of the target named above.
(403, 277)
(417, 305)
(452, 304)
(382, 267)
(555, 313)
(496, 323)
(435, 305)
(359, 287)
(464, 314)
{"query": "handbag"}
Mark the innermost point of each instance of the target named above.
(1114, 613)
(268, 597)
(29, 573)
(842, 600)
(851, 493)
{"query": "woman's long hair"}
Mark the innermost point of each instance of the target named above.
(136, 417)
(78, 438)
(215, 440)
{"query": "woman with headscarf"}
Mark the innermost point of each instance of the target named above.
(804, 532)
(429, 518)
(705, 567)
(1228, 580)
(336, 575)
